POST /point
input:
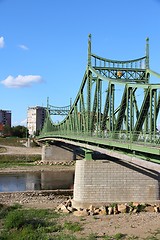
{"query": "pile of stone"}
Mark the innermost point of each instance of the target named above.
(61, 163)
(109, 209)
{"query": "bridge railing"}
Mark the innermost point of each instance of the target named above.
(123, 137)
(115, 106)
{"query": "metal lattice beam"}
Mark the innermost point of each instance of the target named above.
(115, 101)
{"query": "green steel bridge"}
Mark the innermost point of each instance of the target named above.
(116, 108)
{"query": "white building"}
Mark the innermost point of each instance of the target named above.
(35, 119)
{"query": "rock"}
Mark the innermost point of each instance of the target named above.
(60, 206)
(122, 208)
(91, 208)
(102, 210)
(97, 211)
(149, 208)
(70, 209)
(110, 210)
(82, 213)
(156, 209)
(135, 204)
(69, 203)
(135, 210)
(115, 209)
(63, 208)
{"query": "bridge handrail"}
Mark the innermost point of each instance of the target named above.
(118, 61)
(108, 118)
(112, 144)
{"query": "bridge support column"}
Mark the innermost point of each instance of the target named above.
(61, 152)
(47, 153)
(88, 154)
(104, 181)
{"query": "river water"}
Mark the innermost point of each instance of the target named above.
(45, 180)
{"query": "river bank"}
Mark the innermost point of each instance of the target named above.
(44, 198)
(143, 225)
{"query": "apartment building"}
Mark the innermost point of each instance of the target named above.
(5, 119)
(35, 119)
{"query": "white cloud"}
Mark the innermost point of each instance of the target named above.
(1, 42)
(23, 122)
(23, 47)
(21, 81)
(15, 123)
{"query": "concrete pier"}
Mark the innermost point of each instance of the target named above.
(60, 152)
(105, 181)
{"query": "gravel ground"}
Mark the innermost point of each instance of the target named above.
(140, 225)
(21, 150)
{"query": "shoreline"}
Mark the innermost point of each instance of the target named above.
(36, 168)
(143, 224)
(40, 199)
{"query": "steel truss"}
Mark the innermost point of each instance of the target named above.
(115, 101)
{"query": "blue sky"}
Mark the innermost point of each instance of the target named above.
(43, 45)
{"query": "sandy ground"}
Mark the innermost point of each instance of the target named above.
(21, 150)
(142, 224)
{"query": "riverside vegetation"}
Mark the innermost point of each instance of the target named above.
(17, 223)
(19, 159)
(22, 222)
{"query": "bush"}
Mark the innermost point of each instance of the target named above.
(74, 227)
(15, 219)
(26, 233)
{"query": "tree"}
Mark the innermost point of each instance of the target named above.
(6, 130)
(19, 131)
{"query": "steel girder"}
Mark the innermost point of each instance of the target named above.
(115, 100)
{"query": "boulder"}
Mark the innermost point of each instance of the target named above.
(82, 213)
(122, 208)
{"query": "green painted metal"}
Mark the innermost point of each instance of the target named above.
(88, 154)
(115, 103)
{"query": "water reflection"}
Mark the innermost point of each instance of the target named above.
(45, 180)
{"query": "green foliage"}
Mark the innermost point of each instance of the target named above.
(7, 130)
(41, 213)
(152, 238)
(12, 141)
(28, 224)
(74, 227)
(132, 238)
(113, 205)
(17, 160)
(92, 236)
(119, 236)
(15, 219)
(19, 131)
(65, 237)
(2, 149)
(53, 228)
(42, 224)
(26, 233)
(107, 237)
(141, 207)
(15, 131)
(4, 209)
